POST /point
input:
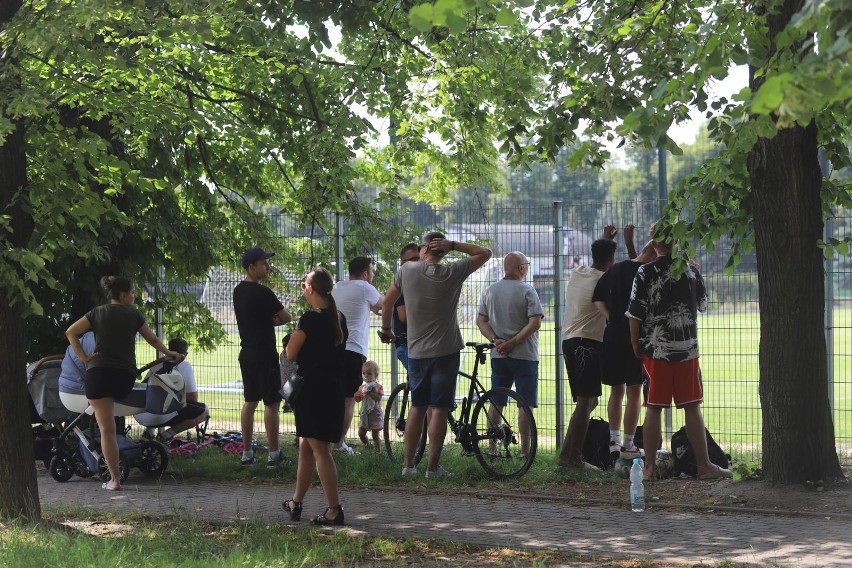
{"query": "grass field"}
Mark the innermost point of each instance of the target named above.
(729, 355)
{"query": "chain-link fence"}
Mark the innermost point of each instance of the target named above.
(556, 239)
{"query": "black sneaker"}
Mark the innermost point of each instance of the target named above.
(615, 450)
(280, 460)
(248, 461)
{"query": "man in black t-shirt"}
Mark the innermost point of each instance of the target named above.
(622, 371)
(258, 311)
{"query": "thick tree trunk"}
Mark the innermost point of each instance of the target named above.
(798, 431)
(18, 489)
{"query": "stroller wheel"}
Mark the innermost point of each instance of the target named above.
(61, 468)
(154, 460)
(81, 469)
(123, 469)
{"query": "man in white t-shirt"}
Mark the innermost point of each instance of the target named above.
(582, 347)
(355, 299)
(193, 414)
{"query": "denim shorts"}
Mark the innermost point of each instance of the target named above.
(433, 381)
(402, 355)
(524, 374)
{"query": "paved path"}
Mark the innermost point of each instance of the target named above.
(544, 523)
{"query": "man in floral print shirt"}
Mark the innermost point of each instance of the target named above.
(662, 313)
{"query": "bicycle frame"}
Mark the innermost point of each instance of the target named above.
(475, 390)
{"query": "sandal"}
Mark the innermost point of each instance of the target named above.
(294, 508)
(325, 521)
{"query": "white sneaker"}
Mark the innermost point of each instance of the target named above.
(631, 453)
(345, 448)
(439, 473)
(409, 471)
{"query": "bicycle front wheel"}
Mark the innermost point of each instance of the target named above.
(396, 418)
(505, 433)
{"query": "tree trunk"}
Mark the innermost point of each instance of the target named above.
(798, 431)
(18, 490)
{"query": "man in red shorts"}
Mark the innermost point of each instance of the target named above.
(663, 310)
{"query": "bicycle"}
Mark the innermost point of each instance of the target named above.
(491, 433)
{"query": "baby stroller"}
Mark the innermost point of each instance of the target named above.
(149, 456)
(47, 414)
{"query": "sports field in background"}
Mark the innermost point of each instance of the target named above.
(729, 360)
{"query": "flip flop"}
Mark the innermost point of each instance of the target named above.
(720, 473)
(108, 487)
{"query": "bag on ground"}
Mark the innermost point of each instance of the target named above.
(639, 441)
(596, 445)
(684, 455)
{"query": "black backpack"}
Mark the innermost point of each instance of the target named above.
(684, 456)
(639, 441)
(596, 445)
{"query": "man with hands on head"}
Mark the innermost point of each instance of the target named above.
(621, 370)
(432, 290)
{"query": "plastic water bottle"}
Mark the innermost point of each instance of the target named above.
(637, 488)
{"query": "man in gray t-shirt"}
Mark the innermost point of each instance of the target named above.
(432, 291)
(509, 316)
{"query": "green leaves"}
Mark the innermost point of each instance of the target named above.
(771, 94)
(442, 13)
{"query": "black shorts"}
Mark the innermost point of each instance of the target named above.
(192, 411)
(353, 363)
(109, 382)
(583, 362)
(620, 364)
(261, 372)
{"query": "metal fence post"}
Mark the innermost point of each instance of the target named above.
(829, 296)
(338, 249)
(558, 264)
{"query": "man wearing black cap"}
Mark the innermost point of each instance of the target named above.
(432, 291)
(258, 311)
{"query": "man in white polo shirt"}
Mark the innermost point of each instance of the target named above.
(355, 299)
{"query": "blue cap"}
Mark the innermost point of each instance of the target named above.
(252, 255)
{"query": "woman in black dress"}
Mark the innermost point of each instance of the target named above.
(317, 345)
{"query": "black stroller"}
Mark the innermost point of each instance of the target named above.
(47, 414)
(77, 448)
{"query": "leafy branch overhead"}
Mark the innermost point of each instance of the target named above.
(157, 132)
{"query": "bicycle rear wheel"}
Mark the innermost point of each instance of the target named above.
(396, 417)
(504, 451)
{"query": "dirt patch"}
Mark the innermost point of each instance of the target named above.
(747, 495)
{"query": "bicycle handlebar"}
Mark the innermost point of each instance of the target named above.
(479, 346)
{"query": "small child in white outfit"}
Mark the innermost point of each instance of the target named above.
(370, 395)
